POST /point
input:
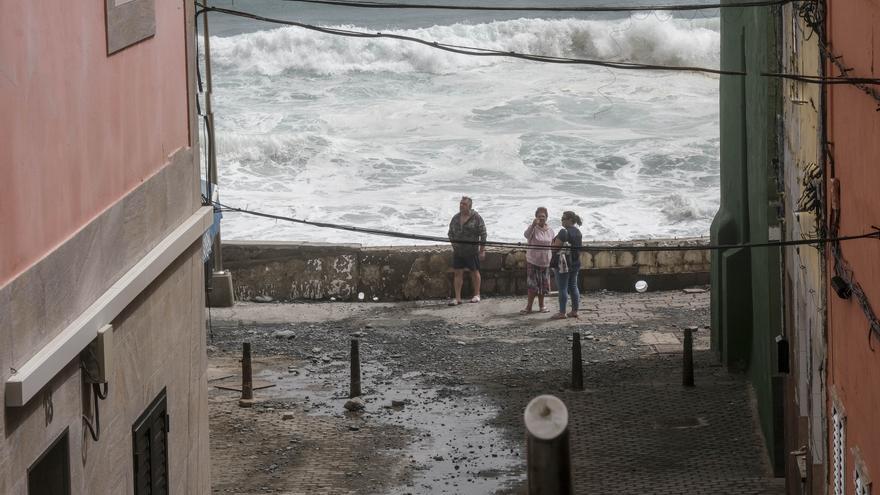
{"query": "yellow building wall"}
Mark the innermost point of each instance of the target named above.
(803, 272)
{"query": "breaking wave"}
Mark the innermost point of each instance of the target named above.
(389, 134)
(678, 210)
(647, 39)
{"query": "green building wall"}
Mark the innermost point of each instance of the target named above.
(746, 283)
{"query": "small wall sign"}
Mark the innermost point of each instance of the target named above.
(129, 22)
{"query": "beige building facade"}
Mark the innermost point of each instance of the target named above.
(804, 277)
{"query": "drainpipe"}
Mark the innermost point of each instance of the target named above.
(221, 280)
(212, 154)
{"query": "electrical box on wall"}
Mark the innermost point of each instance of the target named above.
(98, 357)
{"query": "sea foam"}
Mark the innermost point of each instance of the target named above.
(389, 134)
(648, 39)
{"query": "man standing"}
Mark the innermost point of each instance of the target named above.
(467, 232)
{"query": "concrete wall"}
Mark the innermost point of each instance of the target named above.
(290, 271)
(804, 279)
(80, 129)
(746, 283)
(158, 342)
(853, 128)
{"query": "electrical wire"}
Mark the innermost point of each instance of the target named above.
(597, 8)
(210, 325)
(810, 10)
(813, 15)
(95, 428)
(470, 50)
(201, 90)
(860, 82)
(875, 234)
(843, 270)
(824, 80)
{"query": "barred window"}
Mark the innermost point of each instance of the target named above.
(51, 472)
(150, 446)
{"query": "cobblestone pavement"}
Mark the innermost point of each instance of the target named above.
(460, 379)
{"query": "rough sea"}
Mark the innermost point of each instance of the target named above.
(389, 134)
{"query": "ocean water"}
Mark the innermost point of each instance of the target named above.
(389, 134)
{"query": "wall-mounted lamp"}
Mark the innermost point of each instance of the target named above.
(840, 286)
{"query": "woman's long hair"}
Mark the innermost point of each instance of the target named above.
(570, 215)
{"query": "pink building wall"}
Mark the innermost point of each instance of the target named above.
(854, 131)
(80, 129)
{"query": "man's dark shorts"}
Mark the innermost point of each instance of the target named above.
(466, 262)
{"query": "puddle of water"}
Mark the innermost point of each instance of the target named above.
(454, 449)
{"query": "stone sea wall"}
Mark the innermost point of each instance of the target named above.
(289, 271)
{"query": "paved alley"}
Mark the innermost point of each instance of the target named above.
(445, 389)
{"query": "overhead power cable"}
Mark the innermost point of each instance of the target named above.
(875, 234)
(813, 14)
(511, 8)
(824, 80)
(470, 50)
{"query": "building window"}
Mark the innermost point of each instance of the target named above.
(838, 450)
(50, 474)
(150, 447)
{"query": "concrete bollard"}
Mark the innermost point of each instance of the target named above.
(687, 360)
(547, 452)
(247, 382)
(355, 390)
(577, 367)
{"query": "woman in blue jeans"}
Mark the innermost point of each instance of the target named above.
(567, 264)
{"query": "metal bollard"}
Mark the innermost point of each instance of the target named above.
(577, 368)
(687, 360)
(355, 390)
(247, 382)
(547, 452)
